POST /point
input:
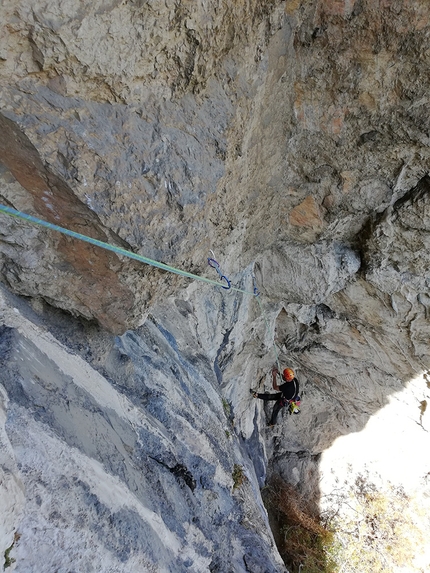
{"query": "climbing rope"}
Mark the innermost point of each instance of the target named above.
(257, 293)
(257, 296)
(212, 262)
(120, 251)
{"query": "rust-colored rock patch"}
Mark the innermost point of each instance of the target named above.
(100, 294)
(307, 214)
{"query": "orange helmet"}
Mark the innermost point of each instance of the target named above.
(288, 374)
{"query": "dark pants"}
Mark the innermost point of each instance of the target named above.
(280, 403)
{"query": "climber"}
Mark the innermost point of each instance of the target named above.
(288, 393)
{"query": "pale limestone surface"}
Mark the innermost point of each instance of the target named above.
(12, 494)
(127, 468)
(290, 137)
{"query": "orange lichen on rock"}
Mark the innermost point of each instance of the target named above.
(307, 214)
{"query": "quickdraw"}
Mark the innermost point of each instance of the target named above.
(215, 265)
(5, 210)
(254, 282)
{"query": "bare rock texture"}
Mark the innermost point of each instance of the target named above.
(132, 469)
(291, 138)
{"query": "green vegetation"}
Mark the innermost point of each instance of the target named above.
(378, 532)
(8, 560)
(227, 408)
(238, 476)
(228, 414)
(365, 531)
(304, 542)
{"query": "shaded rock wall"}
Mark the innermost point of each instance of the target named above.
(133, 117)
(292, 138)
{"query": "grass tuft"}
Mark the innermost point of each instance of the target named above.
(303, 540)
(227, 408)
(8, 560)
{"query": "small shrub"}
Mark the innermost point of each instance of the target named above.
(365, 530)
(303, 541)
(377, 529)
(8, 560)
(227, 408)
(238, 476)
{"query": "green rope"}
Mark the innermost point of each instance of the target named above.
(113, 248)
(268, 330)
(29, 218)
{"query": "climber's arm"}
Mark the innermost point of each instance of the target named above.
(274, 374)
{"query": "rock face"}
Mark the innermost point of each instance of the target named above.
(133, 469)
(292, 139)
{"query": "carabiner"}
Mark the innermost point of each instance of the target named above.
(213, 263)
(228, 287)
(256, 291)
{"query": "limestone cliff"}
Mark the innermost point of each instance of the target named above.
(290, 137)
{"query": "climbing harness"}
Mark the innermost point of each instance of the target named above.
(293, 404)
